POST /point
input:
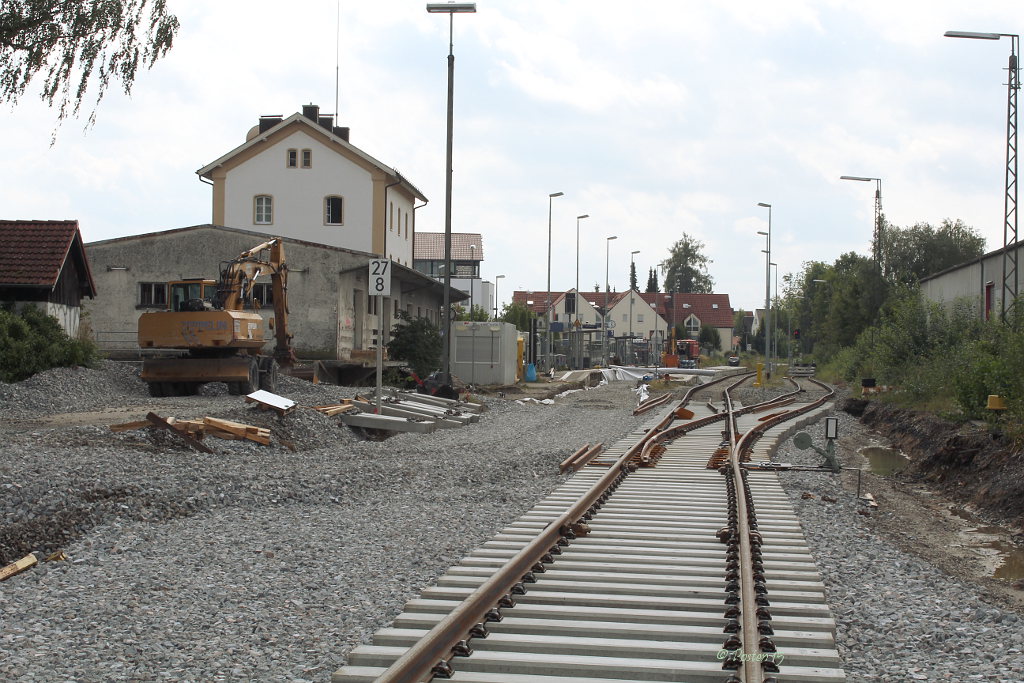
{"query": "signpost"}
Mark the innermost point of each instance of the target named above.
(380, 286)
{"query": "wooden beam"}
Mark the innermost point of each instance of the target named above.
(18, 566)
(158, 421)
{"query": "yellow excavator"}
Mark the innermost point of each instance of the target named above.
(218, 339)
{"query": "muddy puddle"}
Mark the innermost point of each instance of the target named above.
(884, 461)
(993, 543)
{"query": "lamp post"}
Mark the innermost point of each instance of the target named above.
(767, 285)
(451, 9)
(547, 295)
(632, 268)
(472, 280)
(496, 278)
(876, 244)
(1010, 198)
(775, 320)
(577, 295)
(607, 297)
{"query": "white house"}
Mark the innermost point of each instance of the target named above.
(300, 177)
(631, 311)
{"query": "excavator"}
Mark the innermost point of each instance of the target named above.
(216, 328)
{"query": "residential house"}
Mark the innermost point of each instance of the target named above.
(300, 177)
(634, 314)
(44, 264)
(467, 255)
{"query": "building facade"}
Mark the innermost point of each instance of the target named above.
(331, 313)
(300, 177)
(978, 282)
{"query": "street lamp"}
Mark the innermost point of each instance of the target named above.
(496, 278)
(1010, 198)
(767, 285)
(472, 271)
(547, 295)
(879, 237)
(451, 9)
(775, 321)
(632, 268)
(607, 297)
(577, 295)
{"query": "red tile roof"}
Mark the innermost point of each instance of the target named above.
(33, 253)
(429, 246)
(710, 309)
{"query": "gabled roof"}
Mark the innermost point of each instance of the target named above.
(297, 119)
(33, 254)
(429, 246)
(710, 309)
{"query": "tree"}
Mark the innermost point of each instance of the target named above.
(686, 268)
(518, 314)
(709, 338)
(417, 341)
(479, 313)
(921, 250)
(71, 43)
(652, 281)
(632, 275)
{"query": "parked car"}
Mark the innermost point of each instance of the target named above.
(734, 360)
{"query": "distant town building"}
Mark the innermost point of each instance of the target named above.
(467, 255)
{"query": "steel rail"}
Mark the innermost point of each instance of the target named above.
(430, 655)
(752, 643)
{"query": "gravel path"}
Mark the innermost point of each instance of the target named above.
(254, 563)
(271, 563)
(899, 618)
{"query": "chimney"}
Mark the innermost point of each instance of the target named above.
(268, 122)
(341, 132)
(311, 112)
(327, 122)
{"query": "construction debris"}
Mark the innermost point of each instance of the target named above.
(269, 401)
(18, 566)
(346, 406)
(193, 431)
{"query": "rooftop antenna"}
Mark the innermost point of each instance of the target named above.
(337, 62)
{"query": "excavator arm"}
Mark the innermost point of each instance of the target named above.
(235, 289)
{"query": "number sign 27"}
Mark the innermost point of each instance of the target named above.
(380, 277)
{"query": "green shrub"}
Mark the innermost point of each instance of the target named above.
(417, 342)
(32, 341)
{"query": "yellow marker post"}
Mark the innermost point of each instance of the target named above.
(759, 382)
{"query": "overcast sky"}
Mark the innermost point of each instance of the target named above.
(656, 118)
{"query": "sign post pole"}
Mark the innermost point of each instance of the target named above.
(380, 285)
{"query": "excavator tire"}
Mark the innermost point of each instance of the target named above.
(268, 374)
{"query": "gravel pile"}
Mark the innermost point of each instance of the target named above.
(255, 562)
(898, 617)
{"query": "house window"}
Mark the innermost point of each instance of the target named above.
(153, 294)
(333, 214)
(639, 317)
(406, 226)
(693, 326)
(292, 158)
(307, 158)
(391, 215)
(263, 209)
(625, 317)
(396, 309)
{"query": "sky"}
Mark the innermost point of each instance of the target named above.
(657, 119)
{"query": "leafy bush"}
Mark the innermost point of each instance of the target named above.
(32, 341)
(417, 341)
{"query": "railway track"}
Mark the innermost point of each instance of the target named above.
(662, 559)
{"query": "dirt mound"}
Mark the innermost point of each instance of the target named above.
(971, 464)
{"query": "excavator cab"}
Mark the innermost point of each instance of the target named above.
(189, 295)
